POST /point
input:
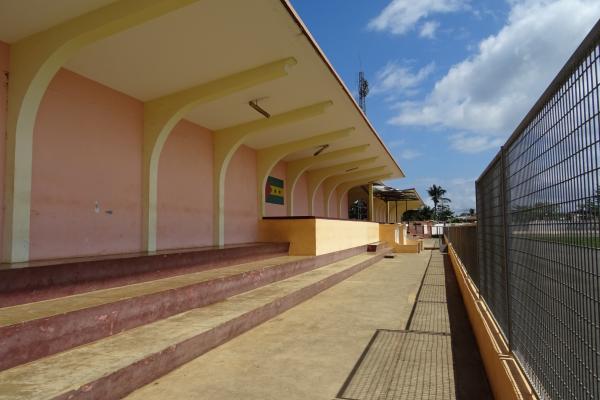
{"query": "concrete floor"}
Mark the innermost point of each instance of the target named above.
(431, 243)
(433, 358)
(307, 352)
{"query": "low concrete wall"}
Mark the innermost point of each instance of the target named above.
(335, 235)
(395, 236)
(309, 236)
(504, 373)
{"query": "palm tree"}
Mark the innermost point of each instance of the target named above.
(437, 196)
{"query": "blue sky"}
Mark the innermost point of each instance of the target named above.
(450, 79)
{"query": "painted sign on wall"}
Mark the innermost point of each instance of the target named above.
(274, 191)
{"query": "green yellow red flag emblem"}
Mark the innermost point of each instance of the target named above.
(274, 192)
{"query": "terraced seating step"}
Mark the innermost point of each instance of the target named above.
(40, 280)
(31, 331)
(376, 246)
(116, 365)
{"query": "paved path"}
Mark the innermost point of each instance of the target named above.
(431, 243)
(317, 349)
(434, 357)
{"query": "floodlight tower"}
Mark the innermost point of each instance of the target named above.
(363, 91)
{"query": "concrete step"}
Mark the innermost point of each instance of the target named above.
(31, 331)
(40, 280)
(378, 247)
(115, 366)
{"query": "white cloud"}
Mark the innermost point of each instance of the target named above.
(486, 95)
(400, 80)
(410, 154)
(472, 143)
(400, 16)
(462, 193)
(428, 29)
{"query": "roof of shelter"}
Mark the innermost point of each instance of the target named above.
(206, 41)
(388, 193)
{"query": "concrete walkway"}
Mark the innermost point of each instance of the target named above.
(313, 350)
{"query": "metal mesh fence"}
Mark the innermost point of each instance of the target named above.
(491, 243)
(538, 206)
(463, 238)
(553, 202)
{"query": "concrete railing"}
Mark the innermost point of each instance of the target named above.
(313, 236)
(396, 237)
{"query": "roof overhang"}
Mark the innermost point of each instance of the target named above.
(410, 197)
(209, 40)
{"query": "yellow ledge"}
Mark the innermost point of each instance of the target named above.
(313, 236)
(395, 236)
(507, 379)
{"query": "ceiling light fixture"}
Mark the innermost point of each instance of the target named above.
(254, 104)
(320, 149)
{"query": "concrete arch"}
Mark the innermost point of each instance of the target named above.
(331, 183)
(34, 61)
(316, 177)
(345, 187)
(228, 140)
(267, 158)
(162, 114)
(296, 168)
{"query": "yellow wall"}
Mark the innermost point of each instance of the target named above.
(336, 235)
(506, 378)
(395, 236)
(299, 233)
(314, 236)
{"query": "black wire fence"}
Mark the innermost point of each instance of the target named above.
(535, 252)
(464, 239)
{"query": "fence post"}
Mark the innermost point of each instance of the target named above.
(505, 207)
(476, 260)
(477, 233)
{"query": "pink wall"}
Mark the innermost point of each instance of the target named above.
(241, 199)
(333, 205)
(319, 205)
(301, 196)
(4, 60)
(185, 179)
(277, 210)
(344, 214)
(86, 151)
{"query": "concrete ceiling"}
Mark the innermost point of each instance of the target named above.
(21, 18)
(204, 41)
